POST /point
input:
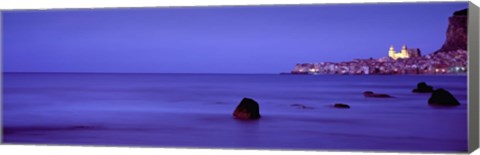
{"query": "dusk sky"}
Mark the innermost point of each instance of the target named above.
(235, 39)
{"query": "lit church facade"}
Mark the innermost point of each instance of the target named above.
(404, 53)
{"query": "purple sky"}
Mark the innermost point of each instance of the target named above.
(240, 39)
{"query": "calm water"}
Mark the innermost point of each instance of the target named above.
(195, 110)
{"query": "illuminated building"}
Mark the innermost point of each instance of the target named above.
(402, 55)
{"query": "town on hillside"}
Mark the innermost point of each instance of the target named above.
(407, 61)
(451, 58)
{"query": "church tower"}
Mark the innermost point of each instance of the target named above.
(391, 52)
(404, 52)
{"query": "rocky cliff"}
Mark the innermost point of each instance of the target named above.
(456, 32)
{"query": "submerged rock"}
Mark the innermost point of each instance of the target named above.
(422, 87)
(301, 106)
(247, 109)
(371, 94)
(341, 105)
(442, 97)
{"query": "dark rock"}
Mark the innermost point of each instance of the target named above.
(463, 12)
(301, 106)
(247, 109)
(371, 94)
(456, 32)
(341, 105)
(422, 87)
(442, 97)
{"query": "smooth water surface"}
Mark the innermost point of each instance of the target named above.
(195, 110)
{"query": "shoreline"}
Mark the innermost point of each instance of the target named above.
(106, 73)
(463, 74)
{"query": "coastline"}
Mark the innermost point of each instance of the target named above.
(457, 74)
(283, 73)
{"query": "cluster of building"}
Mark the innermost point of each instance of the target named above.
(408, 61)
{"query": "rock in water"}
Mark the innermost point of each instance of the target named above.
(301, 106)
(422, 87)
(341, 105)
(371, 94)
(247, 109)
(442, 97)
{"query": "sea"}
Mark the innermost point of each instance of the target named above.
(195, 111)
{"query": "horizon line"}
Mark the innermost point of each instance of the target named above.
(29, 72)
